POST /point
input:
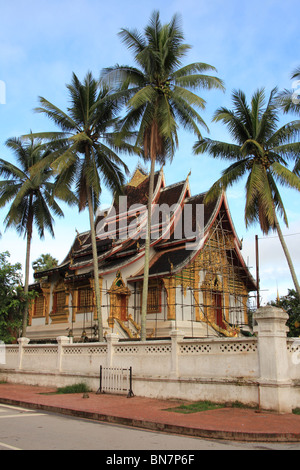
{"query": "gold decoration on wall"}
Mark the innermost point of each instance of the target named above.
(212, 277)
(119, 295)
(170, 286)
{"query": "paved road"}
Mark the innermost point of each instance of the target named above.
(23, 429)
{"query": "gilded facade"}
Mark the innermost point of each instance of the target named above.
(198, 280)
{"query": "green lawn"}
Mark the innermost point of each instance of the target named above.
(196, 407)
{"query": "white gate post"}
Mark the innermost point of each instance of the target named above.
(176, 336)
(112, 338)
(22, 343)
(274, 376)
(61, 340)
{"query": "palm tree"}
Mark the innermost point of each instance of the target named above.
(89, 158)
(158, 95)
(31, 195)
(261, 151)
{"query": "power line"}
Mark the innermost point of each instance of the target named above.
(276, 236)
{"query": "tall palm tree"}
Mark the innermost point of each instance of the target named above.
(89, 158)
(31, 195)
(261, 151)
(158, 94)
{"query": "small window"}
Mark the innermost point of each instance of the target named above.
(39, 306)
(59, 302)
(85, 299)
(154, 298)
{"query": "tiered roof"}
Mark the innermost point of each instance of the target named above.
(117, 248)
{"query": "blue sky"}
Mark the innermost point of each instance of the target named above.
(252, 45)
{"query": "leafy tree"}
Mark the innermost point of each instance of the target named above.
(261, 151)
(89, 159)
(12, 299)
(159, 95)
(44, 262)
(30, 194)
(291, 304)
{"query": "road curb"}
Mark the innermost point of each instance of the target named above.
(160, 427)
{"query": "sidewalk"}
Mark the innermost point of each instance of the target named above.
(149, 413)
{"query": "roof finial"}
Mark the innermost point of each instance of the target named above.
(78, 237)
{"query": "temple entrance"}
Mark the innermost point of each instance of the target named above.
(119, 295)
(122, 301)
(218, 309)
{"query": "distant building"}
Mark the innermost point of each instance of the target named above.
(198, 280)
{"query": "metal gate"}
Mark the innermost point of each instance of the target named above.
(115, 380)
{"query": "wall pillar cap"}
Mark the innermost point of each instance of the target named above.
(270, 311)
(112, 337)
(23, 341)
(63, 339)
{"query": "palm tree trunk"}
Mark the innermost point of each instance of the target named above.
(27, 266)
(95, 264)
(147, 254)
(287, 254)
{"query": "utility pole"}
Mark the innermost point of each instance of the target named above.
(257, 271)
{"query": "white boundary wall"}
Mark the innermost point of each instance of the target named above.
(262, 370)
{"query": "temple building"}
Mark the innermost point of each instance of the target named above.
(198, 280)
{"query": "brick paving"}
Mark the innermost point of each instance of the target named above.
(150, 413)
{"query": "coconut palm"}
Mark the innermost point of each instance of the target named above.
(89, 159)
(260, 151)
(158, 94)
(31, 195)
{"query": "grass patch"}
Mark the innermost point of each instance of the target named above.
(238, 404)
(207, 405)
(196, 407)
(76, 388)
(296, 411)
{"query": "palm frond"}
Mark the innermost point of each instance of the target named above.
(59, 117)
(206, 82)
(285, 176)
(296, 73)
(229, 176)
(236, 127)
(8, 170)
(218, 149)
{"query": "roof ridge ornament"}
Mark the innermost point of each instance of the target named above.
(138, 178)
